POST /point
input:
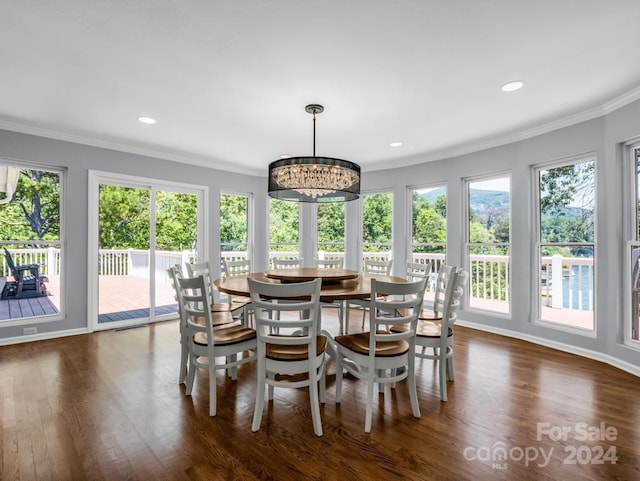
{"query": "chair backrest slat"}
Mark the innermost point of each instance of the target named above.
(236, 268)
(329, 263)
(286, 263)
(302, 300)
(398, 305)
(372, 266)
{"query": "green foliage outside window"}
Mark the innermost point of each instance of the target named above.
(233, 222)
(377, 222)
(34, 211)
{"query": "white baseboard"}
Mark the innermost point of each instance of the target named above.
(589, 354)
(42, 336)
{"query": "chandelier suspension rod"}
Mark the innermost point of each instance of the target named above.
(314, 133)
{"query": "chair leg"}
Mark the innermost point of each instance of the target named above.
(270, 387)
(413, 391)
(338, 376)
(212, 389)
(233, 371)
(184, 360)
(315, 405)
(450, 367)
(257, 410)
(443, 378)
(369, 410)
(323, 383)
(191, 374)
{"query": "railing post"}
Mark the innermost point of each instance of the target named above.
(51, 262)
(129, 263)
(556, 281)
(185, 258)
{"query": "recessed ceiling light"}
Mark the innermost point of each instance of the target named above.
(511, 86)
(395, 143)
(147, 120)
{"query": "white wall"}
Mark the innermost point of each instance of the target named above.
(78, 160)
(602, 136)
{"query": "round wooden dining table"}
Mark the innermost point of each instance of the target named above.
(337, 284)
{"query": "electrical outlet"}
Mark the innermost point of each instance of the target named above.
(29, 330)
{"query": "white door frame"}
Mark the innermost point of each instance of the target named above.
(98, 177)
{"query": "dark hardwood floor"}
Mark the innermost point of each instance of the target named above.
(107, 406)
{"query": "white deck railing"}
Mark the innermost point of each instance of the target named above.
(566, 281)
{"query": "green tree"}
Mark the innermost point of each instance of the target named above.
(331, 225)
(34, 211)
(176, 221)
(283, 224)
(233, 221)
(123, 217)
(377, 219)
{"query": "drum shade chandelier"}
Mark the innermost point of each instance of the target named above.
(314, 179)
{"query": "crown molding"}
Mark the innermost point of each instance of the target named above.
(568, 121)
(454, 151)
(127, 148)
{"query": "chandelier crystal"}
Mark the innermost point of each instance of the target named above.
(314, 179)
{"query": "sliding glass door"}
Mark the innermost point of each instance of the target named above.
(142, 228)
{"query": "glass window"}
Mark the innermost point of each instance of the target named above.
(331, 230)
(234, 226)
(488, 241)
(429, 225)
(566, 197)
(284, 229)
(30, 237)
(632, 329)
(377, 225)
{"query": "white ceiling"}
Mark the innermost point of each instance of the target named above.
(228, 80)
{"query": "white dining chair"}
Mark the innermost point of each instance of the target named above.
(286, 263)
(370, 266)
(235, 306)
(383, 356)
(439, 335)
(239, 267)
(217, 319)
(295, 356)
(223, 347)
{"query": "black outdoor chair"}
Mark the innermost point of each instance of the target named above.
(26, 277)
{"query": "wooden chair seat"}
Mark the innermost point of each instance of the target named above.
(359, 343)
(226, 335)
(429, 315)
(217, 318)
(298, 352)
(431, 329)
(381, 356)
(426, 329)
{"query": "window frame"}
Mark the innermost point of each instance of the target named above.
(467, 181)
(410, 189)
(249, 220)
(632, 194)
(270, 254)
(361, 243)
(536, 267)
(62, 173)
